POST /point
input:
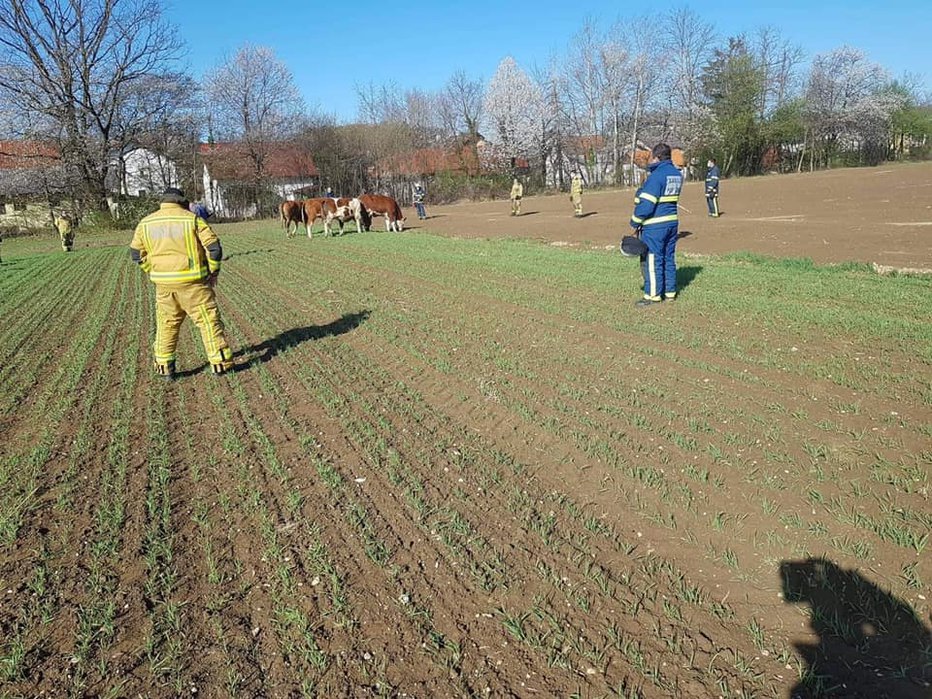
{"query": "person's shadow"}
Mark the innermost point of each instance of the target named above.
(870, 644)
(685, 275)
(266, 350)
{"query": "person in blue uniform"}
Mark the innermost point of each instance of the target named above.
(419, 194)
(656, 216)
(711, 187)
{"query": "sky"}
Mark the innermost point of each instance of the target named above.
(332, 48)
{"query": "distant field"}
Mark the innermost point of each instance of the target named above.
(880, 214)
(453, 467)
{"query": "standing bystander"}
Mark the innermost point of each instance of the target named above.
(182, 255)
(655, 214)
(711, 188)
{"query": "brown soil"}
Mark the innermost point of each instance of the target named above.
(881, 215)
(563, 509)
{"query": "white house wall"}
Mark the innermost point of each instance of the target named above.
(146, 172)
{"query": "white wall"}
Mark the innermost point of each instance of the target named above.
(147, 173)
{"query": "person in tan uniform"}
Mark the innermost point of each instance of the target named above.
(517, 191)
(65, 232)
(576, 186)
(182, 255)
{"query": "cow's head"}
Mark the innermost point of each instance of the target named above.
(400, 224)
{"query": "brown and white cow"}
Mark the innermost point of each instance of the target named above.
(292, 212)
(313, 210)
(337, 209)
(387, 207)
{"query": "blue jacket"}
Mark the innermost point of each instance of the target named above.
(656, 202)
(711, 179)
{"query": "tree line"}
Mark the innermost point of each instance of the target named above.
(98, 77)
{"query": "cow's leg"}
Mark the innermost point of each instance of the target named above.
(388, 224)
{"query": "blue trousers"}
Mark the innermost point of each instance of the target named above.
(659, 265)
(711, 199)
(421, 212)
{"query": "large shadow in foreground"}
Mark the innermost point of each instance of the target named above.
(870, 645)
(264, 351)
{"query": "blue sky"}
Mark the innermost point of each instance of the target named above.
(333, 47)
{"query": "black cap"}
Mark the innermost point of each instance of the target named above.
(173, 195)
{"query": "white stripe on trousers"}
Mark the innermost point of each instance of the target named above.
(651, 275)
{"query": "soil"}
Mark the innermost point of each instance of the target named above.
(879, 215)
(564, 509)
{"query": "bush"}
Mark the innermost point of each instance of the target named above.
(446, 187)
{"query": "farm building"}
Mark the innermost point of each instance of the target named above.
(231, 189)
(31, 178)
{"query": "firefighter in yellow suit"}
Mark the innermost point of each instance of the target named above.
(576, 187)
(182, 256)
(65, 232)
(517, 191)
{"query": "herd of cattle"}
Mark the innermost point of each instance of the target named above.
(360, 209)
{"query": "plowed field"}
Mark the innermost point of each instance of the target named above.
(881, 215)
(450, 468)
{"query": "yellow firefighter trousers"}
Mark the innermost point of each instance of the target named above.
(576, 198)
(175, 301)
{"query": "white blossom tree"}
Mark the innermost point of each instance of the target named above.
(513, 108)
(847, 105)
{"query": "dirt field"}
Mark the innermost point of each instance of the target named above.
(466, 468)
(881, 215)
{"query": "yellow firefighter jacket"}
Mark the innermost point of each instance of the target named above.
(576, 186)
(517, 190)
(175, 247)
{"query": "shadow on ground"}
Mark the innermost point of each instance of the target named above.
(870, 643)
(685, 275)
(265, 351)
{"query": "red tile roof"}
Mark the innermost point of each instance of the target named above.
(231, 161)
(429, 161)
(27, 155)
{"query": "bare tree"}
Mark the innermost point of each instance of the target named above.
(778, 60)
(460, 105)
(689, 44)
(253, 101)
(74, 63)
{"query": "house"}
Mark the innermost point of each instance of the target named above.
(426, 162)
(31, 176)
(143, 172)
(229, 176)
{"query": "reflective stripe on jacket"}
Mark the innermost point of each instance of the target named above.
(656, 201)
(175, 247)
(711, 179)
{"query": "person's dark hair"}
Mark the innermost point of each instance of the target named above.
(712, 160)
(661, 151)
(173, 195)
